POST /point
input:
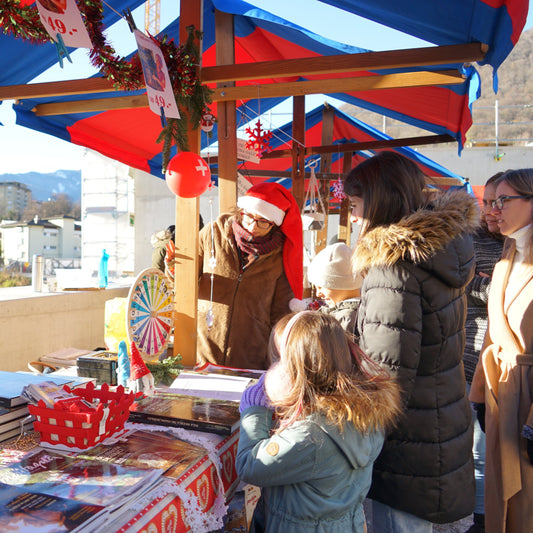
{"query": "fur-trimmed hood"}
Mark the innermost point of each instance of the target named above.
(417, 238)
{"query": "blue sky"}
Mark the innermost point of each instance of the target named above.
(24, 150)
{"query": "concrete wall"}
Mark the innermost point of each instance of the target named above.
(480, 163)
(35, 324)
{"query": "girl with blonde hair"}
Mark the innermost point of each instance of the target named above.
(314, 460)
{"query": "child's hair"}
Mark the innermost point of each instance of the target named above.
(329, 374)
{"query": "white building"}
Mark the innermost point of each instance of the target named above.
(57, 238)
(121, 208)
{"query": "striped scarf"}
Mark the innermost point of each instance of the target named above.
(253, 247)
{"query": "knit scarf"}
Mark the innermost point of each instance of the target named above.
(253, 247)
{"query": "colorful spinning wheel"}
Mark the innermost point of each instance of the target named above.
(149, 313)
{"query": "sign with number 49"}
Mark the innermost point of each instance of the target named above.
(63, 17)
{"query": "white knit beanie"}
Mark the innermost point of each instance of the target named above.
(331, 268)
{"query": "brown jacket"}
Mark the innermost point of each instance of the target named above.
(504, 381)
(246, 304)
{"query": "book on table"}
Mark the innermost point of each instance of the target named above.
(210, 385)
(86, 480)
(14, 382)
(190, 412)
(25, 511)
(12, 413)
(229, 370)
(16, 427)
(141, 448)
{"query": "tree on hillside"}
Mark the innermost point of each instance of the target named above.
(58, 205)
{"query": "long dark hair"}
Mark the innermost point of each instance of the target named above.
(391, 186)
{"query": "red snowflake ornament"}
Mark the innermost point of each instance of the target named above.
(259, 139)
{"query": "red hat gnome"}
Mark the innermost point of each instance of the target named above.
(275, 203)
(141, 379)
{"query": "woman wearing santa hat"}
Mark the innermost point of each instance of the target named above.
(258, 252)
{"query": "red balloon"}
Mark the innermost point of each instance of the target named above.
(188, 175)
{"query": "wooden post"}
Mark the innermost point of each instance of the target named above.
(187, 226)
(345, 226)
(298, 149)
(328, 116)
(227, 116)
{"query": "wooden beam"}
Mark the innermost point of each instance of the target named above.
(328, 118)
(354, 147)
(227, 116)
(56, 88)
(331, 86)
(338, 85)
(345, 210)
(323, 176)
(367, 145)
(415, 57)
(298, 149)
(187, 225)
(92, 106)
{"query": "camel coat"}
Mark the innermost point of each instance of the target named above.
(504, 382)
(246, 304)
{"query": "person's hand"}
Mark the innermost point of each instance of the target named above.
(254, 395)
(480, 413)
(169, 259)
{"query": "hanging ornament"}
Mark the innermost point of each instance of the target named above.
(338, 190)
(210, 317)
(313, 212)
(208, 122)
(259, 139)
(188, 175)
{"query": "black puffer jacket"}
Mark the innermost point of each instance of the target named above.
(411, 321)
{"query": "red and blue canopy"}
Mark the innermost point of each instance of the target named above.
(345, 130)
(129, 135)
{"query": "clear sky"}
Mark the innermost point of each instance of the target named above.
(24, 150)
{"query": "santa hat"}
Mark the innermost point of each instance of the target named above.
(138, 366)
(275, 203)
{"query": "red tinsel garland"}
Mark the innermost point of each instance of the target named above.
(23, 22)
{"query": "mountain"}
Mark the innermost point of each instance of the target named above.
(44, 185)
(515, 102)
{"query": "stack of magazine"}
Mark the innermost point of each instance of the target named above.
(48, 490)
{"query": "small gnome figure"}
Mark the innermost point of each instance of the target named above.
(123, 366)
(141, 379)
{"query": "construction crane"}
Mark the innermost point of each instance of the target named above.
(151, 16)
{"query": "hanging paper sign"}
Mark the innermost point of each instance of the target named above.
(246, 154)
(158, 86)
(63, 17)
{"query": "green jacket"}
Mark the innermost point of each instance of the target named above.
(313, 478)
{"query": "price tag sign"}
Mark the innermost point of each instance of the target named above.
(63, 17)
(245, 154)
(158, 87)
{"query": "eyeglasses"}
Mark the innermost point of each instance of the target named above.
(261, 223)
(499, 202)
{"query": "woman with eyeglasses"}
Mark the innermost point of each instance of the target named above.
(503, 380)
(251, 266)
(488, 244)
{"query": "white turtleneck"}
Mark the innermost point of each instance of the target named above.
(518, 268)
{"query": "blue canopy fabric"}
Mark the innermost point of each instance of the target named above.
(497, 23)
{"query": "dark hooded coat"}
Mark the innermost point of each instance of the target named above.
(411, 321)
